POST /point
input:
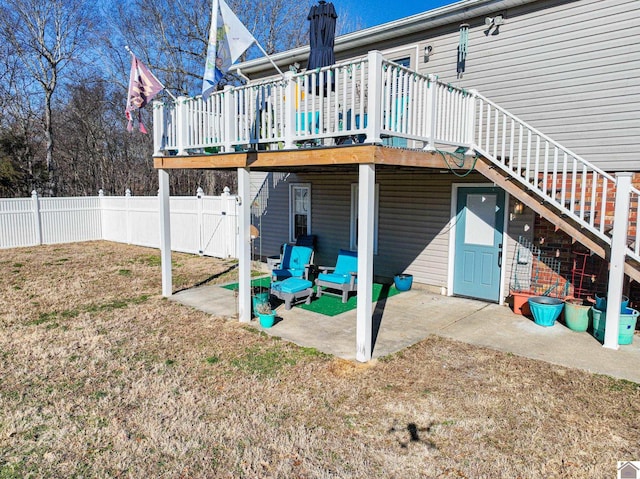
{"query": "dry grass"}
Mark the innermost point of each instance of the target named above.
(101, 377)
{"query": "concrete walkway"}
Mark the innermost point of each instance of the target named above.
(409, 317)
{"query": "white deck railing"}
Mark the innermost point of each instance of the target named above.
(363, 100)
(373, 100)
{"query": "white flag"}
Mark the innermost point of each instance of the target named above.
(228, 39)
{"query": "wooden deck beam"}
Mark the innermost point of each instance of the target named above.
(315, 157)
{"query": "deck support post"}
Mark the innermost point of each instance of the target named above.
(290, 111)
(244, 245)
(617, 258)
(165, 232)
(374, 105)
(366, 209)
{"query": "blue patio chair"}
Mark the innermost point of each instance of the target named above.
(295, 263)
(344, 276)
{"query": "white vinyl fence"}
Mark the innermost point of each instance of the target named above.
(199, 224)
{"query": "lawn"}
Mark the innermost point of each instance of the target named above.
(102, 377)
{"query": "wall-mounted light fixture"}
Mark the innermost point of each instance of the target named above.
(518, 207)
(493, 24)
(427, 51)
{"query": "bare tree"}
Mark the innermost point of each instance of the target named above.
(46, 37)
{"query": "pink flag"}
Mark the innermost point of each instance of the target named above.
(143, 86)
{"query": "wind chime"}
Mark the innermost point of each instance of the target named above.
(462, 48)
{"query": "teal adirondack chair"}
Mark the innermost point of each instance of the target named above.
(295, 263)
(343, 277)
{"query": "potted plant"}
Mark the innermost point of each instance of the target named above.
(266, 315)
(259, 295)
(576, 313)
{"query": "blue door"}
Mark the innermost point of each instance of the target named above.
(478, 248)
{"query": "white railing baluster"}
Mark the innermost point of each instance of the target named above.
(603, 209)
(545, 169)
(583, 191)
(528, 170)
(594, 188)
(563, 191)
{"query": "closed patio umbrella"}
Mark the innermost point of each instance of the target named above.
(322, 34)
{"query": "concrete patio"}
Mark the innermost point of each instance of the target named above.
(409, 317)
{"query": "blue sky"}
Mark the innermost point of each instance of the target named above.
(376, 12)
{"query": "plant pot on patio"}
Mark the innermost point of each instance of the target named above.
(519, 301)
(266, 315)
(545, 310)
(403, 282)
(577, 314)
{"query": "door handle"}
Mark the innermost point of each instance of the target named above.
(500, 255)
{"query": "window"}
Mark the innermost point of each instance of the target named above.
(299, 211)
(405, 62)
(354, 218)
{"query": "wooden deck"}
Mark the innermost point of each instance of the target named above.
(317, 157)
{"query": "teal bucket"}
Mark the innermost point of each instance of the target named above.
(601, 302)
(545, 310)
(403, 282)
(626, 325)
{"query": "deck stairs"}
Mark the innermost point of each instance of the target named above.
(556, 183)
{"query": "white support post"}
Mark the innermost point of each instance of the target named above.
(366, 209)
(165, 232)
(289, 112)
(200, 213)
(617, 258)
(244, 245)
(374, 99)
(37, 220)
(228, 119)
(432, 86)
(183, 125)
(158, 128)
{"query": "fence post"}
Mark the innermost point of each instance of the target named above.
(374, 99)
(159, 126)
(289, 111)
(183, 125)
(229, 118)
(432, 85)
(37, 220)
(102, 222)
(200, 212)
(127, 207)
(617, 258)
(228, 203)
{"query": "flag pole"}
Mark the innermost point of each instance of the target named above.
(269, 58)
(126, 47)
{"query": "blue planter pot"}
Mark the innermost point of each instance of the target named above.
(403, 282)
(545, 310)
(267, 320)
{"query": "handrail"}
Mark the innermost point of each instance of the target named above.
(560, 177)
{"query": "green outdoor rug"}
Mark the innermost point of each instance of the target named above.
(327, 304)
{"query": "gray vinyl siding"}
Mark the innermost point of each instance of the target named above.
(270, 211)
(569, 69)
(413, 228)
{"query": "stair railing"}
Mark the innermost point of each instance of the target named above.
(577, 188)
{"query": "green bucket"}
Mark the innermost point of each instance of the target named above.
(626, 326)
